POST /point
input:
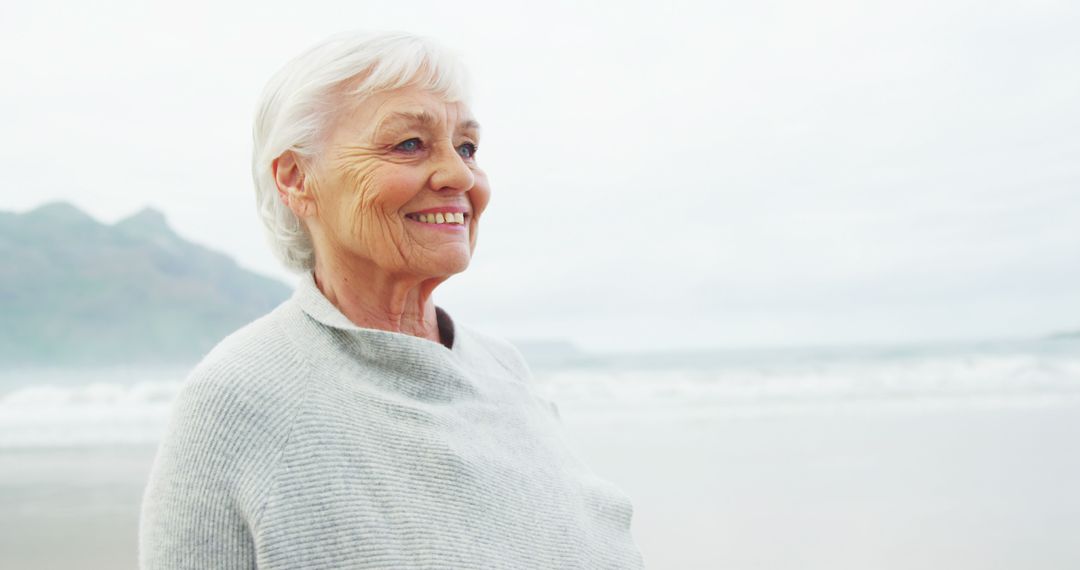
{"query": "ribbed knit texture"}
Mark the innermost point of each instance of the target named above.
(303, 442)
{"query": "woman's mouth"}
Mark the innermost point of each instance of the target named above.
(454, 222)
(457, 218)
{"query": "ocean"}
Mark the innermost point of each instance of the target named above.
(957, 456)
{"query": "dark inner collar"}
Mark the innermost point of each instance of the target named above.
(446, 328)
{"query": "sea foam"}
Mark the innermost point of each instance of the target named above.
(130, 406)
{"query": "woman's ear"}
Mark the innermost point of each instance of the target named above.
(293, 186)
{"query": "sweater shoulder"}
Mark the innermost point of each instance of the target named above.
(254, 351)
(511, 358)
(230, 420)
(503, 351)
(244, 392)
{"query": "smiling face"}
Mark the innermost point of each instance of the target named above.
(390, 170)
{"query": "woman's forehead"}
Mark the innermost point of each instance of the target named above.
(415, 107)
(401, 109)
(428, 118)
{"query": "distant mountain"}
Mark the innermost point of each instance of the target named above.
(74, 291)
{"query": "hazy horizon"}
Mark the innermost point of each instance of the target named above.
(676, 176)
(567, 343)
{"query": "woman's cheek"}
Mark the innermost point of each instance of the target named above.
(480, 194)
(362, 208)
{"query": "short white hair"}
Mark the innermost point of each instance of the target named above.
(297, 103)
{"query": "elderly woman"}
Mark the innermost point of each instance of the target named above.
(357, 425)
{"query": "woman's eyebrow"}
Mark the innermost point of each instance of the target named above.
(470, 124)
(405, 117)
(422, 118)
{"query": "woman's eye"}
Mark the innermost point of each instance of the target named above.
(467, 150)
(411, 145)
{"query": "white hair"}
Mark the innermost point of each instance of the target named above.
(297, 104)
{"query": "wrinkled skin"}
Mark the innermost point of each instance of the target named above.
(393, 153)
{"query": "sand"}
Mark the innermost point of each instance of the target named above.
(956, 489)
(951, 488)
(71, 508)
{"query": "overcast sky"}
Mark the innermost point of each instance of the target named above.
(664, 174)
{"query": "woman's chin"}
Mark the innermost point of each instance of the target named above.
(445, 267)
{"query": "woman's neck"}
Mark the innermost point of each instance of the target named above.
(372, 298)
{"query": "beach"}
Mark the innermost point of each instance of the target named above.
(953, 488)
(73, 507)
(959, 487)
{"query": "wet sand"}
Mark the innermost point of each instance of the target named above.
(957, 489)
(71, 508)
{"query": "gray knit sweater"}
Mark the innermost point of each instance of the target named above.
(303, 442)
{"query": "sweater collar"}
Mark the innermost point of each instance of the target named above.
(318, 307)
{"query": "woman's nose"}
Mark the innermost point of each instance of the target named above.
(451, 172)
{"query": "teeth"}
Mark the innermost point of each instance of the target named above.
(442, 218)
